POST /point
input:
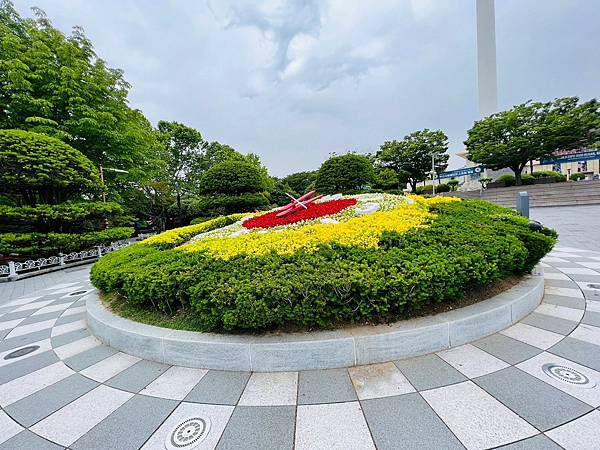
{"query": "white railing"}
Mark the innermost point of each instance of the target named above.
(13, 268)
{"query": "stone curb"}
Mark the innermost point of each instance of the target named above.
(316, 350)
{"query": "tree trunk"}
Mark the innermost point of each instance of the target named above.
(413, 185)
(518, 176)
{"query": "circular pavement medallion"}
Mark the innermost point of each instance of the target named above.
(188, 434)
(567, 375)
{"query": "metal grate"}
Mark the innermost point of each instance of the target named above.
(567, 375)
(188, 434)
(22, 352)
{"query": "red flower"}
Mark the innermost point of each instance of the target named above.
(312, 211)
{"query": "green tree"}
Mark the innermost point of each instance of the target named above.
(233, 177)
(342, 173)
(532, 130)
(411, 158)
(183, 147)
(40, 169)
(301, 182)
(386, 178)
(56, 85)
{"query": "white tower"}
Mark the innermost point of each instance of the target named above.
(486, 58)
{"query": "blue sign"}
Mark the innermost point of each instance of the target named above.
(461, 172)
(574, 157)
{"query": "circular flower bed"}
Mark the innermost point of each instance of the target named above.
(343, 260)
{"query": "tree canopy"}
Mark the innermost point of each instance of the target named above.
(40, 169)
(343, 173)
(56, 85)
(532, 130)
(411, 158)
(301, 182)
(233, 177)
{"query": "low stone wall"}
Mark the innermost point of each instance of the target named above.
(316, 350)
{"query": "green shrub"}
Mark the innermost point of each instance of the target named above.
(428, 189)
(470, 243)
(508, 179)
(453, 184)
(527, 179)
(218, 205)
(232, 177)
(559, 177)
(345, 173)
(577, 177)
(48, 244)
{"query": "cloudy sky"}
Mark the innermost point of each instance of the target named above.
(294, 80)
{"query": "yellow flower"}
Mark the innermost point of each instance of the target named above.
(430, 201)
(363, 231)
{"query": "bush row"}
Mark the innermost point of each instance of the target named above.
(48, 244)
(469, 243)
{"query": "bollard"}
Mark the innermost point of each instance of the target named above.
(523, 203)
(12, 270)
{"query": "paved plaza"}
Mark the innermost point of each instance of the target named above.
(535, 385)
(578, 226)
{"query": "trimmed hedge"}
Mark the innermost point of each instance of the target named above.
(470, 243)
(48, 244)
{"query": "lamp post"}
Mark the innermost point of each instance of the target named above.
(102, 169)
(433, 173)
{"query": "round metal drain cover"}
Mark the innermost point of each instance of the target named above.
(567, 375)
(188, 434)
(22, 352)
(77, 293)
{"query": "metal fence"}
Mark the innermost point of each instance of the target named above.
(14, 268)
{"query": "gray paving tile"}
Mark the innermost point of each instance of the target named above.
(569, 302)
(550, 323)
(23, 367)
(41, 317)
(506, 348)
(429, 371)
(591, 318)
(539, 442)
(561, 283)
(325, 386)
(16, 315)
(68, 319)
(540, 404)
(219, 388)
(26, 440)
(41, 404)
(407, 422)
(129, 426)
(581, 352)
(4, 333)
(67, 338)
(138, 376)
(26, 339)
(89, 357)
(259, 428)
(586, 278)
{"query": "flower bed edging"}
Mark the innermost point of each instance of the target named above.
(316, 350)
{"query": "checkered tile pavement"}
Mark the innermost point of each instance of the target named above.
(535, 385)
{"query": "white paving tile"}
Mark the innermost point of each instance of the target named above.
(31, 328)
(52, 308)
(587, 333)
(67, 290)
(592, 306)
(562, 312)
(33, 306)
(21, 301)
(68, 327)
(175, 383)
(565, 292)
(9, 324)
(109, 367)
(590, 265)
(475, 417)
(8, 427)
(552, 259)
(26, 385)
(589, 393)
(580, 434)
(472, 361)
(71, 422)
(532, 335)
(556, 276)
(76, 347)
(379, 380)
(558, 254)
(270, 389)
(60, 286)
(219, 417)
(43, 345)
(334, 426)
(577, 271)
(560, 248)
(545, 265)
(75, 310)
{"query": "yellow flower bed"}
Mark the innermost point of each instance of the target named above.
(430, 201)
(363, 231)
(178, 235)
